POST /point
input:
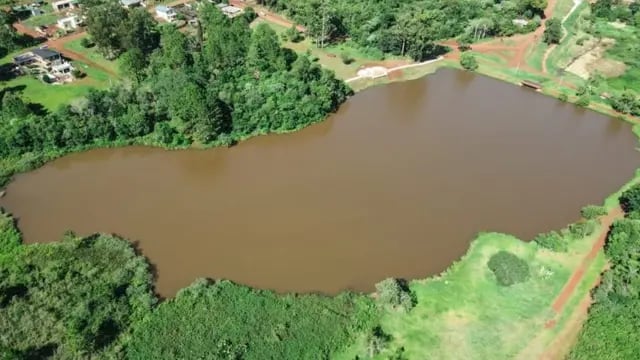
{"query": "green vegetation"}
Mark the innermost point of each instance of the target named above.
(552, 241)
(590, 212)
(411, 27)
(224, 90)
(468, 61)
(508, 268)
(553, 31)
(612, 330)
(86, 47)
(40, 20)
(395, 293)
(227, 321)
(72, 298)
(92, 296)
(630, 199)
(466, 314)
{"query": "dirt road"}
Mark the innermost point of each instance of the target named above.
(58, 44)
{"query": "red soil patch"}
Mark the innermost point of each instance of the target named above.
(395, 74)
(576, 278)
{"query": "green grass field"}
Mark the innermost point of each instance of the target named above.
(44, 19)
(50, 96)
(465, 314)
(92, 54)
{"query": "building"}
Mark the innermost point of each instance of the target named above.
(132, 3)
(166, 13)
(62, 5)
(69, 23)
(229, 10)
(44, 62)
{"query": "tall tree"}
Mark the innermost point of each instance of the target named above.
(140, 31)
(264, 52)
(104, 24)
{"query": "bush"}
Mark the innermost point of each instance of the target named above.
(9, 235)
(346, 58)
(583, 101)
(552, 241)
(377, 341)
(395, 293)
(508, 268)
(563, 97)
(85, 42)
(468, 61)
(630, 199)
(78, 74)
(582, 229)
(293, 35)
(592, 211)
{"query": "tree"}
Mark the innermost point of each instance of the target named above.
(264, 50)
(468, 61)
(553, 31)
(133, 64)
(104, 24)
(174, 52)
(394, 293)
(139, 31)
(630, 199)
(626, 103)
(13, 106)
(508, 268)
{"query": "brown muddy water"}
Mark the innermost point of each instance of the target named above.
(397, 183)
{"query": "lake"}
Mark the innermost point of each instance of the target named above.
(396, 184)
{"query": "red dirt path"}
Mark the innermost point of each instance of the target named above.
(576, 277)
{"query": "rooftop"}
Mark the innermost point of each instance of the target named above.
(130, 2)
(45, 53)
(164, 9)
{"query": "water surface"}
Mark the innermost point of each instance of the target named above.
(397, 183)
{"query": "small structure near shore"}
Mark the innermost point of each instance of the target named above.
(531, 84)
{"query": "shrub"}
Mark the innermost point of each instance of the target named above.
(9, 235)
(592, 211)
(346, 58)
(552, 241)
(630, 199)
(468, 61)
(293, 35)
(508, 268)
(582, 229)
(563, 97)
(78, 74)
(377, 341)
(86, 42)
(583, 101)
(395, 293)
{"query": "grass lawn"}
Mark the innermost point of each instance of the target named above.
(92, 54)
(44, 19)
(465, 314)
(50, 96)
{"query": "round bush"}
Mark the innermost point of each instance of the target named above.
(508, 268)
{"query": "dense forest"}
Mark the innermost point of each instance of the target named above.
(409, 27)
(612, 330)
(225, 84)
